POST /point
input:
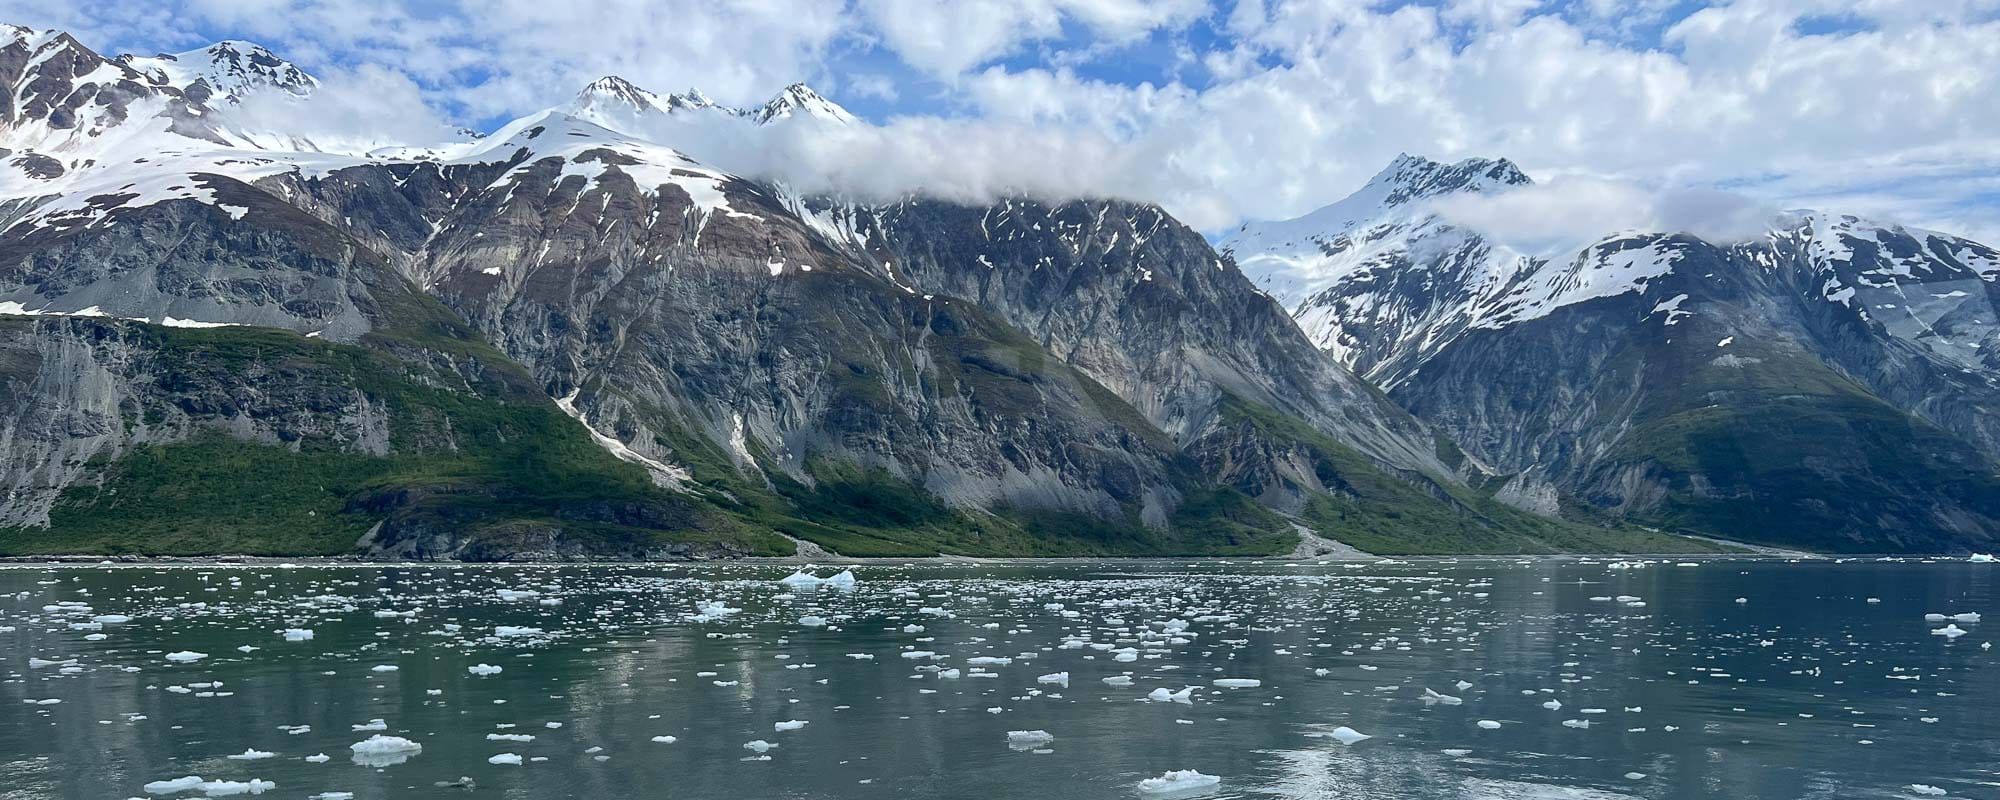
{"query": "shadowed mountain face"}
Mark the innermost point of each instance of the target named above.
(1833, 384)
(563, 341)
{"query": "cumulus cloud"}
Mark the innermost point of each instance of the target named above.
(352, 111)
(1567, 212)
(1285, 105)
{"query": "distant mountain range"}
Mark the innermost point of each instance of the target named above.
(567, 340)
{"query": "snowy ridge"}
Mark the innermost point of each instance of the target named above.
(1381, 281)
(229, 69)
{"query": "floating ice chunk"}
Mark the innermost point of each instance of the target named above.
(377, 724)
(1979, 558)
(666, 739)
(509, 737)
(384, 668)
(1238, 683)
(1347, 735)
(812, 621)
(1161, 695)
(1056, 678)
(173, 786)
(186, 657)
(484, 669)
(227, 788)
(1949, 632)
(758, 746)
(1926, 789)
(842, 580)
(789, 725)
(801, 580)
(1968, 617)
(1118, 680)
(1635, 776)
(1028, 740)
(1431, 696)
(298, 634)
(1177, 782)
(510, 631)
(332, 796)
(383, 751)
(504, 758)
(251, 754)
(318, 758)
(110, 619)
(1488, 724)
(1583, 724)
(517, 594)
(1553, 705)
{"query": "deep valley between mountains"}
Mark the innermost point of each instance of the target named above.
(564, 341)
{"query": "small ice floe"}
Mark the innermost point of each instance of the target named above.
(1979, 558)
(1580, 724)
(1635, 776)
(251, 754)
(666, 739)
(1926, 789)
(186, 657)
(377, 724)
(758, 746)
(812, 621)
(194, 783)
(1487, 724)
(1553, 705)
(510, 737)
(384, 751)
(517, 594)
(512, 631)
(484, 669)
(1055, 678)
(801, 580)
(298, 634)
(384, 668)
(1028, 740)
(789, 725)
(1180, 782)
(1431, 696)
(1118, 680)
(318, 758)
(1161, 695)
(843, 579)
(1347, 735)
(1238, 683)
(174, 786)
(505, 758)
(332, 796)
(1949, 632)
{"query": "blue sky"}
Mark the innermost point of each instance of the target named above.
(1220, 109)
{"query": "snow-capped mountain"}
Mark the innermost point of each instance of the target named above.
(620, 105)
(227, 71)
(1021, 378)
(1610, 371)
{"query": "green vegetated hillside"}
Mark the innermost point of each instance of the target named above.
(476, 463)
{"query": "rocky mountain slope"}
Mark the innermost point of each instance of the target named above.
(567, 340)
(1834, 383)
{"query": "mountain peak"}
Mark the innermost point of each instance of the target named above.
(231, 69)
(1409, 178)
(799, 98)
(617, 91)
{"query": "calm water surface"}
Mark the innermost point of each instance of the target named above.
(1736, 679)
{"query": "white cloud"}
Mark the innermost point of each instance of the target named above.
(1301, 101)
(351, 111)
(1565, 213)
